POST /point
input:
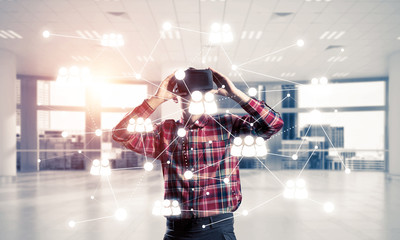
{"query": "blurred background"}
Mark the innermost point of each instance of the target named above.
(71, 69)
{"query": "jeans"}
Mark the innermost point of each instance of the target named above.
(215, 228)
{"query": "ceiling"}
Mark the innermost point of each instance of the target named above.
(367, 30)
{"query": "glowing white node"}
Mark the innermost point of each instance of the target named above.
(105, 162)
(347, 170)
(238, 141)
(316, 147)
(290, 183)
(131, 121)
(168, 162)
(64, 134)
(148, 166)
(46, 34)
(175, 203)
(166, 203)
(329, 207)
(209, 97)
(71, 224)
(226, 180)
(181, 132)
(226, 27)
(323, 80)
(227, 111)
(197, 96)
(234, 67)
(342, 50)
(167, 26)
(215, 27)
(300, 183)
(300, 43)
(74, 70)
(96, 162)
(39, 160)
(203, 226)
(63, 71)
(180, 74)
(223, 86)
(245, 213)
(248, 140)
(113, 36)
(210, 142)
(207, 193)
(252, 92)
(85, 71)
(295, 157)
(92, 197)
(138, 76)
(335, 110)
(98, 132)
(147, 121)
(314, 81)
(251, 124)
(130, 128)
(188, 174)
(140, 121)
(259, 141)
(80, 151)
(120, 214)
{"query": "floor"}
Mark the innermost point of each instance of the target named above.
(41, 205)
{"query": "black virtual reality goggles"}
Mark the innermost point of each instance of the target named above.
(195, 80)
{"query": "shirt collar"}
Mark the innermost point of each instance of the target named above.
(200, 123)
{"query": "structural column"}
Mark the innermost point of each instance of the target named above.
(93, 122)
(7, 116)
(394, 115)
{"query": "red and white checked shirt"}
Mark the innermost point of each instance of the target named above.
(205, 150)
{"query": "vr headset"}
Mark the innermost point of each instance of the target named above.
(195, 80)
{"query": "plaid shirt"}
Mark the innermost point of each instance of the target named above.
(205, 150)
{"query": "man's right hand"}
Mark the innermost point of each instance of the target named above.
(164, 92)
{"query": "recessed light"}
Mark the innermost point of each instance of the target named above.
(273, 59)
(9, 34)
(398, 38)
(332, 35)
(337, 59)
(88, 34)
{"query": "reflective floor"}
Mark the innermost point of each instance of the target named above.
(40, 206)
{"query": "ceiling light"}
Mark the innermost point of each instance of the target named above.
(332, 35)
(220, 34)
(112, 40)
(9, 34)
(88, 34)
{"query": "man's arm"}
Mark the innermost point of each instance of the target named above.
(261, 119)
(144, 143)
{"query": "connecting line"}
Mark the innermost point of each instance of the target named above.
(67, 155)
(280, 90)
(144, 146)
(234, 215)
(230, 61)
(303, 139)
(208, 51)
(279, 155)
(340, 157)
(272, 53)
(126, 60)
(315, 201)
(68, 36)
(221, 125)
(212, 164)
(265, 75)
(306, 163)
(118, 169)
(235, 167)
(271, 172)
(112, 190)
(97, 186)
(151, 53)
(271, 108)
(94, 219)
(165, 149)
(269, 200)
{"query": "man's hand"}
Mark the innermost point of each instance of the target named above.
(227, 88)
(164, 92)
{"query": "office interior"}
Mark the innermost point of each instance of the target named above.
(71, 69)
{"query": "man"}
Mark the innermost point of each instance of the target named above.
(198, 168)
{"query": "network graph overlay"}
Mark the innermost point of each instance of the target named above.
(295, 189)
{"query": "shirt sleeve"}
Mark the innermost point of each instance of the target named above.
(261, 120)
(143, 143)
